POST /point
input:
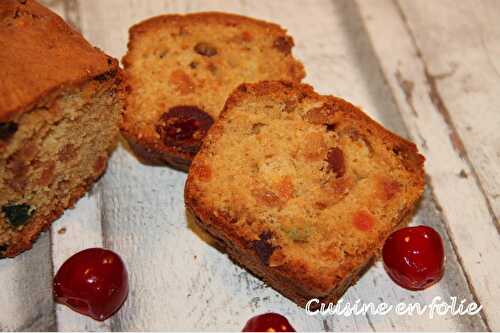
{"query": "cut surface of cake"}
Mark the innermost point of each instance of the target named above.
(302, 189)
(180, 70)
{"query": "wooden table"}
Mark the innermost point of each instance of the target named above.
(428, 70)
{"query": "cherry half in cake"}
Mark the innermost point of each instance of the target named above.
(184, 127)
(92, 282)
(414, 257)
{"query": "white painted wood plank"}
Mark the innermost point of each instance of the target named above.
(78, 229)
(460, 43)
(464, 207)
(26, 291)
(145, 220)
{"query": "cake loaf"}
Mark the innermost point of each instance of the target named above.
(180, 70)
(302, 189)
(59, 107)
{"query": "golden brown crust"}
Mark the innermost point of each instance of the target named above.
(29, 32)
(342, 235)
(203, 82)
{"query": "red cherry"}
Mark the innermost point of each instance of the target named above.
(414, 257)
(268, 322)
(92, 282)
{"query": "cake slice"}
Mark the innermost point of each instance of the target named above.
(180, 70)
(59, 108)
(302, 189)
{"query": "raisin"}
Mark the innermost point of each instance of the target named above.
(7, 130)
(283, 44)
(322, 115)
(101, 78)
(3, 248)
(331, 127)
(263, 247)
(205, 49)
(18, 215)
(105, 76)
(336, 163)
(184, 127)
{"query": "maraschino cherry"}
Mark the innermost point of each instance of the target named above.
(414, 257)
(92, 282)
(268, 322)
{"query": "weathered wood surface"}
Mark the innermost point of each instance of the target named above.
(426, 94)
(179, 281)
(463, 62)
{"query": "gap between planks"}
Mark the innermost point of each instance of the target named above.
(462, 61)
(405, 70)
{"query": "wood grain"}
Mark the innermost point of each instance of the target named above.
(26, 295)
(469, 221)
(460, 46)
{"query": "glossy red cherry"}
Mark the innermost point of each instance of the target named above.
(268, 322)
(414, 257)
(92, 282)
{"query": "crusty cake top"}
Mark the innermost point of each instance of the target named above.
(308, 182)
(39, 53)
(186, 65)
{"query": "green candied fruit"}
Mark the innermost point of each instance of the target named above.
(298, 234)
(18, 215)
(7, 130)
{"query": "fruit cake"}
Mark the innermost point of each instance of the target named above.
(180, 70)
(301, 189)
(60, 104)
